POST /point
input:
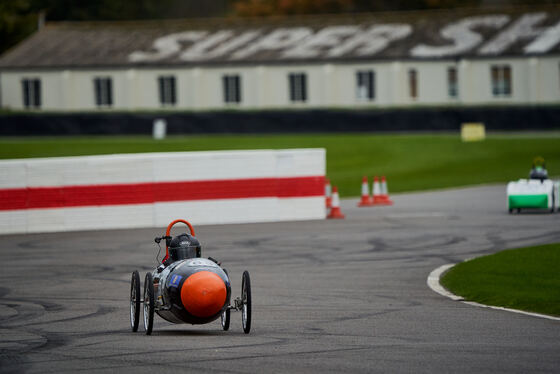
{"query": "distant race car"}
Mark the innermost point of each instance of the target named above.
(537, 192)
(187, 288)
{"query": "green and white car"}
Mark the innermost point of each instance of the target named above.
(533, 194)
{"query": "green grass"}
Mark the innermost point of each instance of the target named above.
(410, 162)
(525, 279)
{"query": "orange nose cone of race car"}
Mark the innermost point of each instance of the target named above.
(203, 294)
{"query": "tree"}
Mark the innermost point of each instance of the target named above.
(16, 22)
(254, 8)
(286, 7)
(91, 10)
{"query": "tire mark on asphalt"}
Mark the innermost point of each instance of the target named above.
(101, 311)
(24, 313)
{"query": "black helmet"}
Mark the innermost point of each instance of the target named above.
(184, 246)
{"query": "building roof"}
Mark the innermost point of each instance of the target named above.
(382, 36)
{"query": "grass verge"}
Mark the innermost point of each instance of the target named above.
(410, 162)
(525, 279)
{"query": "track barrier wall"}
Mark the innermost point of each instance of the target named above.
(447, 118)
(151, 189)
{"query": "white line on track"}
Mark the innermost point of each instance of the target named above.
(433, 283)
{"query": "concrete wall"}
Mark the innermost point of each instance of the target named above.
(151, 189)
(535, 80)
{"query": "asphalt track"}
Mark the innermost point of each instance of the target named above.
(328, 296)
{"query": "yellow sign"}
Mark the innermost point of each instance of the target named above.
(473, 132)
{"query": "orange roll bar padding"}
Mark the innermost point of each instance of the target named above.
(168, 232)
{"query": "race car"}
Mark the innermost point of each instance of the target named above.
(186, 288)
(537, 192)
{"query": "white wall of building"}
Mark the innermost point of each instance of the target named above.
(535, 80)
(546, 81)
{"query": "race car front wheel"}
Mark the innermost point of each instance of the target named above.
(246, 300)
(135, 301)
(226, 313)
(225, 318)
(148, 303)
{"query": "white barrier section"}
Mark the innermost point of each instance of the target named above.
(151, 189)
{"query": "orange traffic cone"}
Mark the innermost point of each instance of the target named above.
(328, 193)
(366, 199)
(384, 196)
(335, 210)
(377, 199)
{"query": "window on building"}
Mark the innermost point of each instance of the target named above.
(501, 80)
(31, 93)
(413, 83)
(365, 85)
(167, 95)
(232, 88)
(298, 87)
(103, 91)
(452, 83)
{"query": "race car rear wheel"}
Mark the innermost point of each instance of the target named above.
(135, 301)
(226, 313)
(246, 300)
(148, 303)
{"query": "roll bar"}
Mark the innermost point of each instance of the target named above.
(167, 236)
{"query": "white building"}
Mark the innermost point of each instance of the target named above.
(399, 59)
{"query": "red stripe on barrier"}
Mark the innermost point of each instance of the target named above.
(11, 199)
(147, 193)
